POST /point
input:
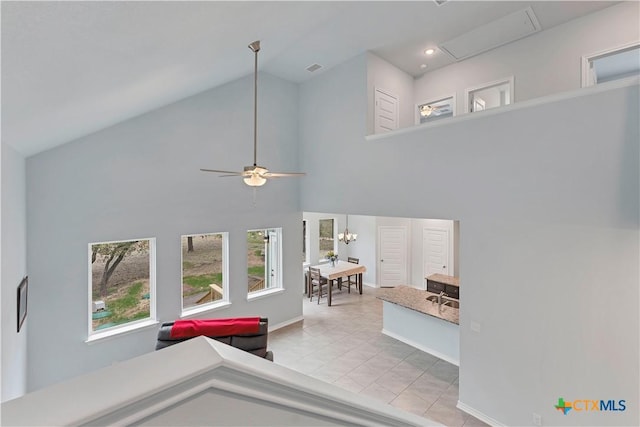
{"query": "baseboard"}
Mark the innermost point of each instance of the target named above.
(286, 323)
(422, 347)
(479, 415)
(371, 285)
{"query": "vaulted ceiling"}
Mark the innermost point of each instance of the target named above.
(72, 68)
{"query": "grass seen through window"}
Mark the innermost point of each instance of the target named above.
(120, 283)
(202, 269)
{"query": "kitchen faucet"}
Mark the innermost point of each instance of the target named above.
(442, 294)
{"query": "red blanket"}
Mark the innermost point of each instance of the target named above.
(215, 327)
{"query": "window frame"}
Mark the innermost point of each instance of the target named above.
(279, 282)
(585, 68)
(135, 324)
(214, 305)
(470, 90)
(306, 243)
(335, 236)
(450, 97)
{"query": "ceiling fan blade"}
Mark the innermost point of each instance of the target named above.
(282, 174)
(229, 173)
(255, 175)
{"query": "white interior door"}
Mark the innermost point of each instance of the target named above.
(386, 112)
(435, 244)
(392, 266)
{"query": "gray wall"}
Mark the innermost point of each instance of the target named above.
(545, 63)
(140, 179)
(547, 197)
(14, 268)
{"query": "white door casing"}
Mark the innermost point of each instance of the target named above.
(435, 247)
(392, 260)
(386, 111)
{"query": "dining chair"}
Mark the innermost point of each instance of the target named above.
(316, 280)
(354, 276)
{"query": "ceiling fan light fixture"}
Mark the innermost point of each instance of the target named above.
(426, 110)
(255, 176)
(255, 180)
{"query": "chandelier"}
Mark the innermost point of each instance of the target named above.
(347, 236)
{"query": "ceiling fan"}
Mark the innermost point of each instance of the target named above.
(255, 176)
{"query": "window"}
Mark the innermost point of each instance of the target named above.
(611, 65)
(489, 95)
(204, 271)
(264, 259)
(305, 242)
(121, 284)
(327, 237)
(436, 109)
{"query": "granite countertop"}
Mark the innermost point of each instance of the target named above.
(447, 280)
(416, 299)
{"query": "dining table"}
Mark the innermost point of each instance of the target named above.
(337, 272)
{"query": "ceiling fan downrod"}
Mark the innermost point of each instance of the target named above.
(255, 47)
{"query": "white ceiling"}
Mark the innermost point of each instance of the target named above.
(72, 68)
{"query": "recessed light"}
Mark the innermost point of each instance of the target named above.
(423, 66)
(429, 51)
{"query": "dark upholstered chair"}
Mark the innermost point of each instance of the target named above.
(252, 343)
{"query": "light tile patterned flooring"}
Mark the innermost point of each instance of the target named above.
(343, 345)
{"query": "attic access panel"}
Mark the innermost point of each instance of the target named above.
(494, 34)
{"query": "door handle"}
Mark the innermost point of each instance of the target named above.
(381, 260)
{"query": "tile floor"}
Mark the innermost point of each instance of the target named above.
(343, 345)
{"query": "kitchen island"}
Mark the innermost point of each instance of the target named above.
(408, 317)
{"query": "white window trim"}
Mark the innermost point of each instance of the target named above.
(335, 236)
(307, 240)
(279, 284)
(215, 305)
(585, 80)
(205, 308)
(433, 101)
(510, 80)
(264, 293)
(130, 326)
(118, 331)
